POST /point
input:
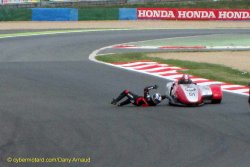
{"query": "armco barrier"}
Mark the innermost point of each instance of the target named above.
(127, 14)
(54, 14)
(98, 14)
(191, 14)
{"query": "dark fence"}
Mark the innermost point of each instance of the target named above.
(87, 3)
(11, 14)
(74, 3)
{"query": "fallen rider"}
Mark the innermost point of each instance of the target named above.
(145, 101)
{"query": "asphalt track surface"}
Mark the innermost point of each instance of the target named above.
(54, 102)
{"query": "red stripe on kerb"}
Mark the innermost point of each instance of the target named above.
(162, 70)
(124, 63)
(135, 65)
(235, 88)
(149, 67)
(203, 81)
(193, 77)
(171, 68)
(247, 92)
(165, 75)
(225, 84)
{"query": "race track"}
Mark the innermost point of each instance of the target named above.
(54, 102)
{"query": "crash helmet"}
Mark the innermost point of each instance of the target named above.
(157, 98)
(185, 78)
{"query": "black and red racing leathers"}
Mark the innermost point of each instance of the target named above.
(144, 101)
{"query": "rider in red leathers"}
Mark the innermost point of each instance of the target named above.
(185, 79)
(145, 101)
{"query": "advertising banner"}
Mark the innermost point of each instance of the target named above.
(63, 0)
(10, 1)
(19, 1)
(191, 14)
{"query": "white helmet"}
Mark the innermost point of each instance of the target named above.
(157, 98)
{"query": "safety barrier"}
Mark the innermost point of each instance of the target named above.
(8, 14)
(191, 14)
(127, 14)
(98, 14)
(54, 14)
(72, 14)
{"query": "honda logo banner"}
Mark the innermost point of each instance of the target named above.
(191, 14)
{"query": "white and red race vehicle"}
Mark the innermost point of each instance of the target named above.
(193, 94)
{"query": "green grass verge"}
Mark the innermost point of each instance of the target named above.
(204, 70)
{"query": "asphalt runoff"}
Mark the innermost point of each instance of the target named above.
(54, 102)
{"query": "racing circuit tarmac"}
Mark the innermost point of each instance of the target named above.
(54, 102)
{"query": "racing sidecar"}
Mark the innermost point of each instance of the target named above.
(193, 94)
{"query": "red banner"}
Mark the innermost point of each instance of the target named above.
(191, 14)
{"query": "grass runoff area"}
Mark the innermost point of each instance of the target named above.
(205, 70)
